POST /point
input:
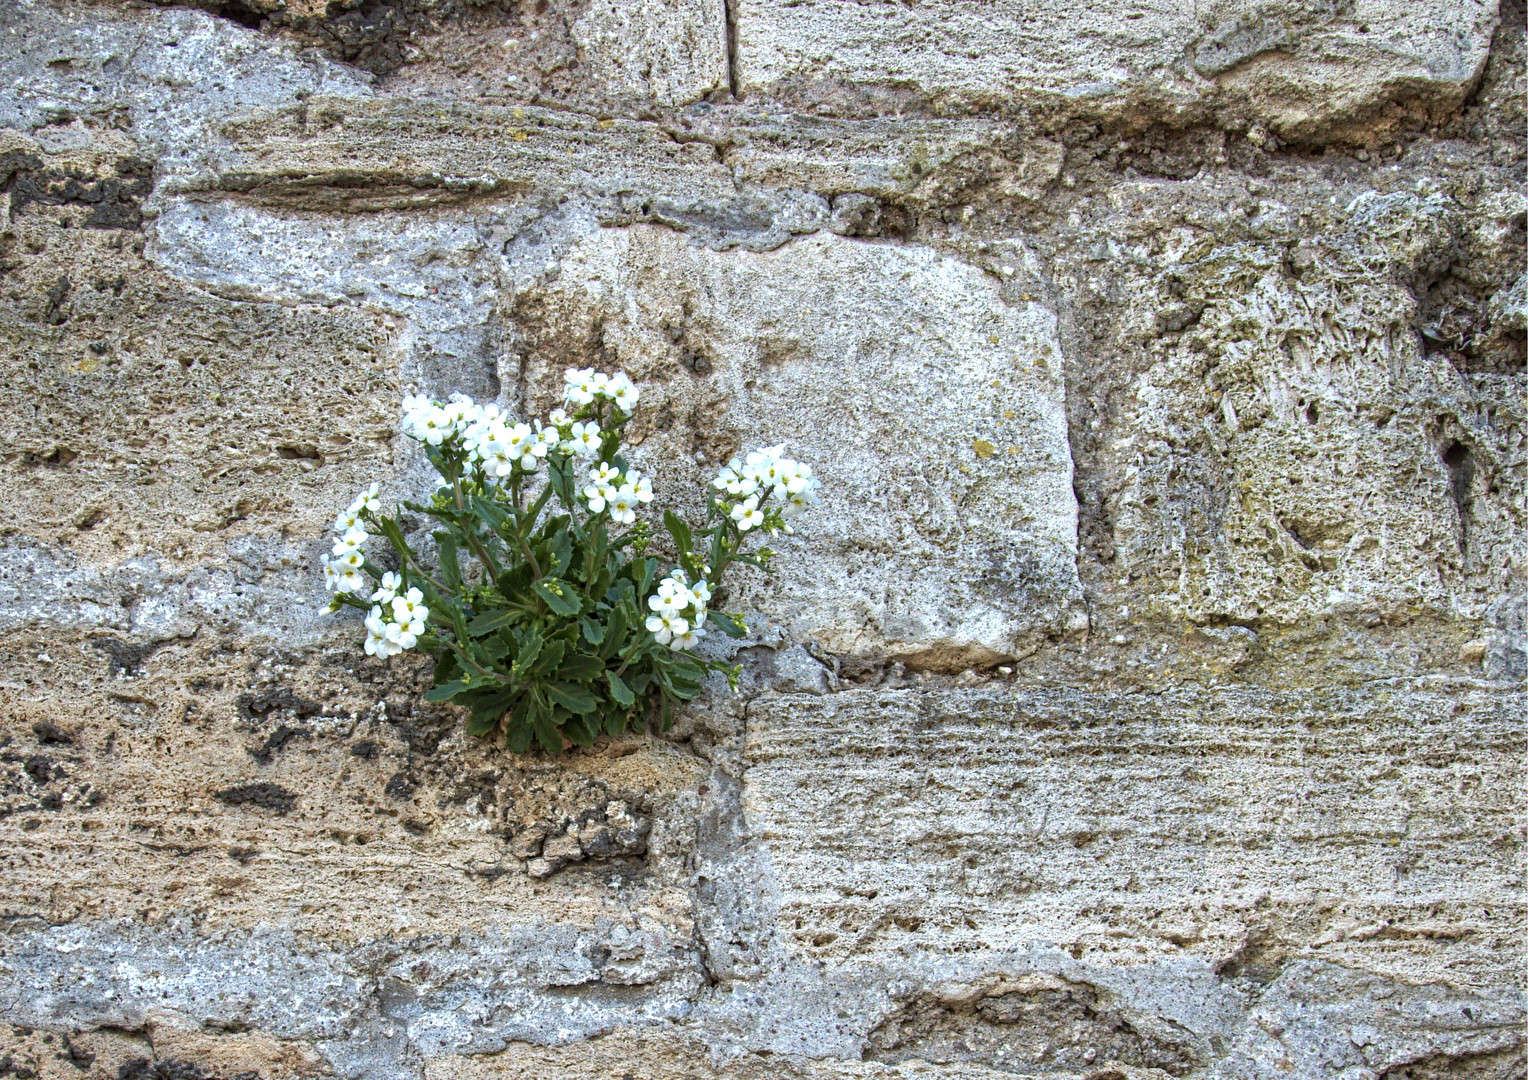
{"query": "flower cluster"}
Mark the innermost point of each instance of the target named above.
(397, 618)
(344, 564)
(617, 493)
(678, 611)
(494, 441)
(538, 603)
(586, 384)
(766, 489)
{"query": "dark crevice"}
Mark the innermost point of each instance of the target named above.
(1460, 463)
(733, 82)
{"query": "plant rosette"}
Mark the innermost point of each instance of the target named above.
(548, 619)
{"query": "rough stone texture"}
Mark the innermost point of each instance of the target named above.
(1146, 700)
(946, 559)
(1303, 67)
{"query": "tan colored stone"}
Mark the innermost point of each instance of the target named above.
(1304, 68)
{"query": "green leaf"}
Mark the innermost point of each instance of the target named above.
(620, 692)
(494, 648)
(496, 516)
(547, 734)
(518, 739)
(447, 691)
(680, 532)
(615, 722)
(450, 569)
(580, 667)
(517, 728)
(490, 621)
(561, 597)
(731, 625)
(394, 535)
(646, 570)
(580, 731)
(615, 631)
(487, 710)
(560, 476)
(559, 553)
(551, 656)
(528, 647)
(593, 632)
(574, 698)
(446, 669)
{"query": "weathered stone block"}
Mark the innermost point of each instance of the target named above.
(1302, 67)
(947, 532)
(1237, 827)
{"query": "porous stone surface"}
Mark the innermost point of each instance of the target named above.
(1144, 700)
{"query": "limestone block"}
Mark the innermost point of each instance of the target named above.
(905, 159)
(167, 76)
(1303, 67)
(1293, 452)
(338, 154)
(930, 406)
(147, 418)
(1232, 827)
(669, 53)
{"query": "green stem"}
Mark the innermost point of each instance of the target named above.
(467, 661)
(478, 547)
(530, 556)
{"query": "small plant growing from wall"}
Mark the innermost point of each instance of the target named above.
(546, 616)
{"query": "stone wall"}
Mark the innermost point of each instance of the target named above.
(1147, 699)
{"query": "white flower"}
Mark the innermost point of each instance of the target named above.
(377, 642)
(735, 480)
(623, 392)
(344, 575)
(701, 592)
(354, 537)
(623, 506)
(687, 639)
(580, 385)
(495, 450)
(365, 501)
(672, 595)
(797, 501)
(415, 408)
(799, 479)
(387, 588)
(597, 495)
(525, 448)
(584, 440)
(557, 417)
(599, 382)
(641, 487)
(347, 521)
(434, 427)
(747, 514)
(665, 625)
(462, 413)
(410, 606)
(405, 634)
(602, 488)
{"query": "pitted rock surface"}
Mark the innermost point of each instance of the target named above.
(1144, 700)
